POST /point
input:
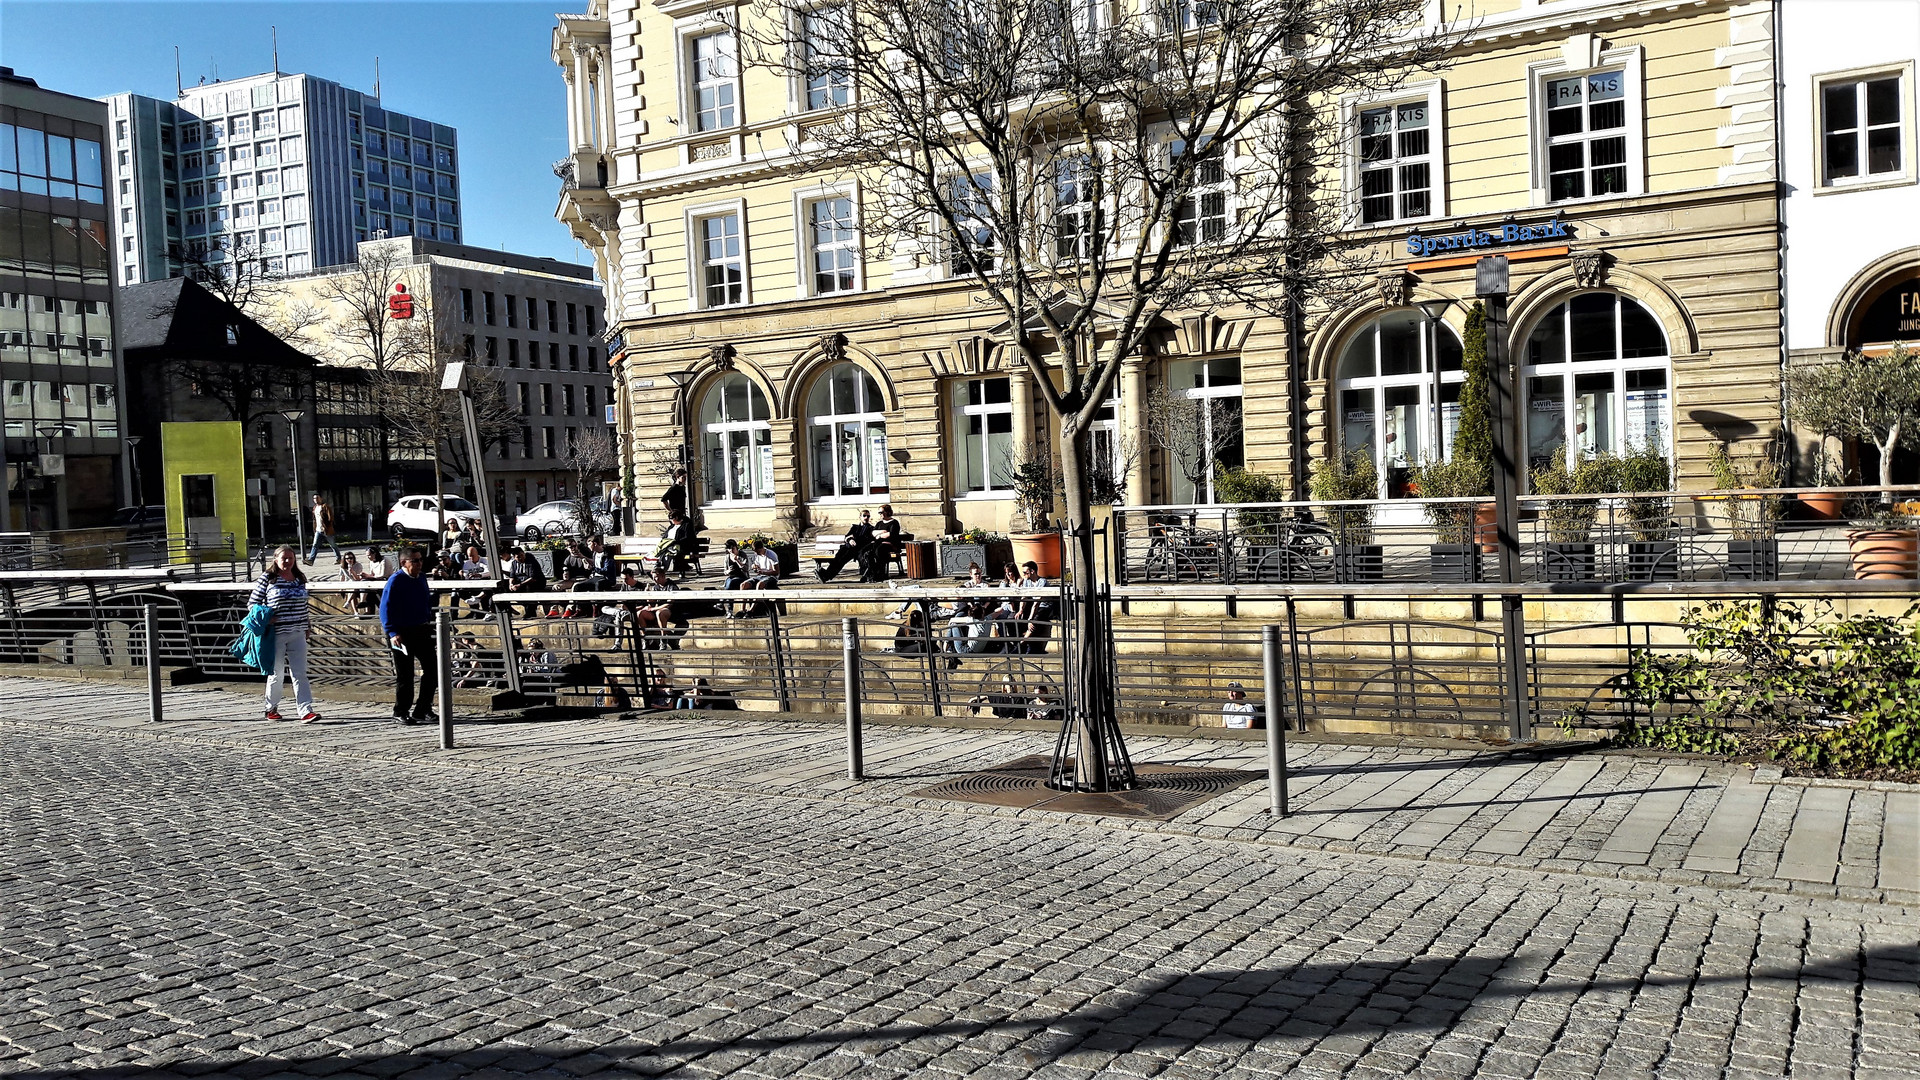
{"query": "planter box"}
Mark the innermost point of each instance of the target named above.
(1359, 562)
(1653, 560)
(1753, 560)
(1566, 562)
(1453, 562)
(789, 556)
(545, 559)
(992, 555)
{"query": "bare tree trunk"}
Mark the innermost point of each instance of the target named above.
(1093, 716)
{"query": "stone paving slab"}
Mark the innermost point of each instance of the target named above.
(233, 898)
(1592, 813)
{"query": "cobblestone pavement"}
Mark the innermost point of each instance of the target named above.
(177, 905)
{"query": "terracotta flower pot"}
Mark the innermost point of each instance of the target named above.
(1825, 505)
(1041, 548)
(1486, 527)
(1883, 554)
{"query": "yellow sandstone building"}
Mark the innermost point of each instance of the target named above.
(1620, 153)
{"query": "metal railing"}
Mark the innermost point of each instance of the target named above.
(1352, 655)
(1760, 535)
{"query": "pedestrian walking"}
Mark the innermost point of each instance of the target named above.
(406, 614)
(283, 588)
(322, 529)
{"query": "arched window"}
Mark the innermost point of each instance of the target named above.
(847, 434)
(1597, 365)
(735, 442)
(1385, 388)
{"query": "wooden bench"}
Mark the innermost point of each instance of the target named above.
(823, 552)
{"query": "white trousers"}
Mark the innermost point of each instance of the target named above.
(290, 656)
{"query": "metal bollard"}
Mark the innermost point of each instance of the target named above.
(152, 627)
(1273, 698)
(443, 674)
(850, 660)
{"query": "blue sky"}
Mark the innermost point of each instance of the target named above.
(482, 67)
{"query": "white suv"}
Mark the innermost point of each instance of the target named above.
(416, 515)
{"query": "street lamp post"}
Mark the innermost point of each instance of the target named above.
(133, 459)
(293, 440)
(1433, 309)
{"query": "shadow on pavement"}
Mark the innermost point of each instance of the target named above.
(1179, 1014)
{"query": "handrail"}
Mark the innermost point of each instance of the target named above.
(1711, 494)
(48, 577)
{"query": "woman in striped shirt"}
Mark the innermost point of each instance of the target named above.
(284, 589)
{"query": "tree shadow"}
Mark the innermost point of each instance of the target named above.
(1170, 1016)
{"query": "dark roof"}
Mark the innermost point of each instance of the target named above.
(176, 319)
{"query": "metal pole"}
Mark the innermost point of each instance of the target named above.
(509, 647)
(443, 675)
(299, 511)
(1490, 284)
(152, 627)
(1273, 696)
(850, 661)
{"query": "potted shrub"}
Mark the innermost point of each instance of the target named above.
(1034, 480)
(959, 550)
(1876, 399)
(1753, 551)
(1653, 554)
(1567, 554)
(1262, 534)
(1350, 477)
(1455, 553)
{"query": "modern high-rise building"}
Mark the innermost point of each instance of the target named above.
(59, 362)
(286, 171)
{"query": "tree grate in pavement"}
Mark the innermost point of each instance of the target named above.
(1165, 791)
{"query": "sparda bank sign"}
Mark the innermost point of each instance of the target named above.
(1478, 238)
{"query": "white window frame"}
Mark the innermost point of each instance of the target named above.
(804, 251)
(1909, 156)
(729, 432)
(696, 219)
(1631, 62)
(1434, 93)
(999, 483)
(944, 241)
(873, 412)
(803, 82)
(693, 81)
(1090, 220)
(1223, 188)
(1210, 392)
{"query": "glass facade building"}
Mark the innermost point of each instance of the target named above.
(60, 378)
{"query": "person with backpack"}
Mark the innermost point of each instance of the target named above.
(283, 589)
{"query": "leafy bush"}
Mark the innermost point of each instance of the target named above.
(1346, 477)
(1570, 521)
(1462, 478)
(1794, 683)
(1645, 468)
(1473, 438)
(1240, 485)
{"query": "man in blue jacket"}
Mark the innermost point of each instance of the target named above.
(406, 613)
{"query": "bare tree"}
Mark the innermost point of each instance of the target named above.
(1090, 169)
(1190, 430)
(593, 455)
(238, 273)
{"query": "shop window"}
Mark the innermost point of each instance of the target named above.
(1597, 373)
(1214, 385)
(982, 436)
(736, 443)
(846, 434)
(1385, 389)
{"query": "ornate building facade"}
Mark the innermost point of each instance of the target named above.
(1621, 154)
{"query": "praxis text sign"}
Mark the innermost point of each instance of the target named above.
(1479, 238)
